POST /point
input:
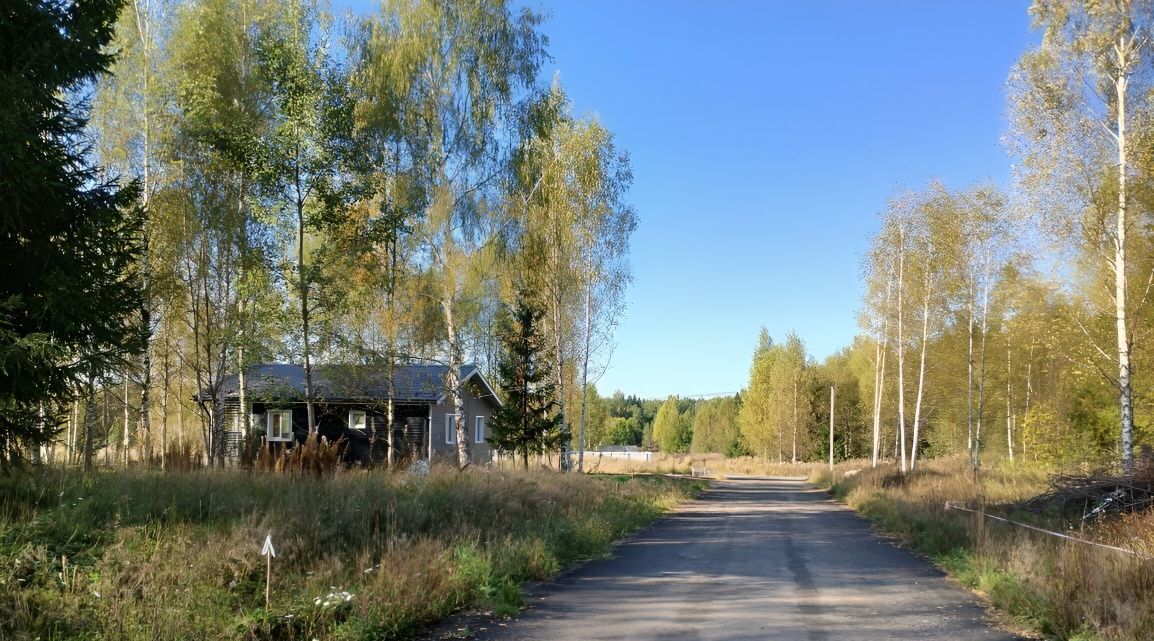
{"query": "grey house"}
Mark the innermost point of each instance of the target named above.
(351, 403)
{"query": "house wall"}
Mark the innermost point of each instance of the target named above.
(332, 420)
(479, 453)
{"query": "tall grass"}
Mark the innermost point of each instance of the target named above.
(145, 555)
(714, 465)
(1062, 589)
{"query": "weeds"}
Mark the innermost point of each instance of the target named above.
(699, 464)
(1062, 589)
(148, 555)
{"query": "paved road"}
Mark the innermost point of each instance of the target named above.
(755, 559)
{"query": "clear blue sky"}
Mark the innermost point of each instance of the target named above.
(765, 137)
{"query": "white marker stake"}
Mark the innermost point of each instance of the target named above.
(268, 552)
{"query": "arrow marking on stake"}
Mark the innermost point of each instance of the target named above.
(268, 549)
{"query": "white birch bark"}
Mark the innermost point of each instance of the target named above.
(1124, 54)
(921, 371)
(901, 350)
(585, 375)
(1009, 405)
(982, 360)
(970, 293)
(880, 369)
(453, 378)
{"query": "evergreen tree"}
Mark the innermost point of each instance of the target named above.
(525, 424)
(68, 235)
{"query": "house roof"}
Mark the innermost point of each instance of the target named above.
(414, 383)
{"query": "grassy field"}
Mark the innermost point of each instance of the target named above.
(145, 555)
(1062, 589)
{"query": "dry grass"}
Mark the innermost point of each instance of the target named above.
(146, 555)
(714, 465)
(1065, 590)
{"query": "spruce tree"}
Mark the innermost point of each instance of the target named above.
(525, 424)
(69, 237)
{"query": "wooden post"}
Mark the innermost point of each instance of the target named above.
(268, 552)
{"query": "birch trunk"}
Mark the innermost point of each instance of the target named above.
(970, 287)
(144, 32)
(559, 351)
(304, 296)
(1029, 389)
(880, 370)
(982, 362)
(391, 455)
(89, 412)
(73, 429)
(921, 374)
(901, 354)
(584, 379)
(1125, 392)
(242, 313)
(165, 391)
(1009, 407)
(125, 440)
(453, 382)
(180, 414)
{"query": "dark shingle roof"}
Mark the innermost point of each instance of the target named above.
(345, 382)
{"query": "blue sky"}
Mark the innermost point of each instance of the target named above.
(765, 137)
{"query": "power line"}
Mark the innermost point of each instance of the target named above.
(704, 397)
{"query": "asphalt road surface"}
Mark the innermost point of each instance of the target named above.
(754, 559)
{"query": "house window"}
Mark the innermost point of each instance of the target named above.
(357, 420)
(479, 430)
(450, 429)
(280, 425)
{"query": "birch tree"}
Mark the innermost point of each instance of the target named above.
(128, 116)
(467, 66)
(755, 418)
(301, 161)
(935, 246)
(594, 182)
(880, 271)
(792, 380)
(220, 110)
(1079, 101)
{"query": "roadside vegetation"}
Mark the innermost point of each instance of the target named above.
(1059, 588)
(706, 465)
(146, 555)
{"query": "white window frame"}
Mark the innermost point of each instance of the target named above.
(269, 427)
(364, 421)
(479, 429)
(450, 429)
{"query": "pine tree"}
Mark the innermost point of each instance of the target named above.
(526, 424)
(69, 237)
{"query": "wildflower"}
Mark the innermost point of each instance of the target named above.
(335, 597)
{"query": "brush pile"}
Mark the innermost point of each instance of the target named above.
(1089, 497)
